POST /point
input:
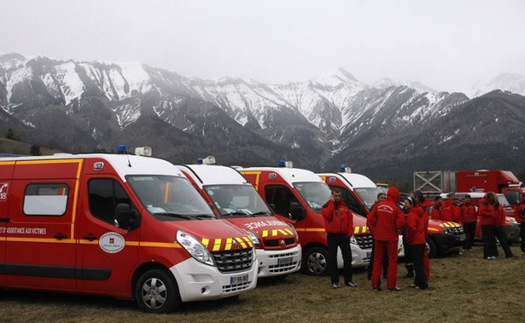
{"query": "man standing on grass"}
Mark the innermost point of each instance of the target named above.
(384, 222)
(339, 227)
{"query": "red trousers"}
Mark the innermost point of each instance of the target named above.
(391, 248)
(426, 264)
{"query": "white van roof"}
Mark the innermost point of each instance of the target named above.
(214, 174)
(291, 175)
(358, 180)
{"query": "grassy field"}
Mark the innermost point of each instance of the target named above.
(463, 288)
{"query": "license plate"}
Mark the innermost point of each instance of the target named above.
(284, 261)
(234, 280)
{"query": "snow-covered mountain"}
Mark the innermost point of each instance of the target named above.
(318, 123)
(514, 83)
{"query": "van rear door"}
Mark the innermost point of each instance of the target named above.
(40, 248)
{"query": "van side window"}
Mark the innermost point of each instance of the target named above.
(46, 199)
(104, 196)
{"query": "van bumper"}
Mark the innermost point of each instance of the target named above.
(278, 262)
(360, 257)
(198, 282)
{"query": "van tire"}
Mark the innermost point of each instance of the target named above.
(157, 292)
(315, 261)
(431, 248)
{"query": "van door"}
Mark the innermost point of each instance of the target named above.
(40, 248)
(106, 255)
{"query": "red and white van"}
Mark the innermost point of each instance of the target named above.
(298, 195)
(130, 227)
(234, 198)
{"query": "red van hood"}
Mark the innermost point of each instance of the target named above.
(266, 227)
(360, 225)
(216, 235)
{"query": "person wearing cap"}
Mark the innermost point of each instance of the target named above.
(415, 236)
(469, 218)
(339, 227)
(384, 222)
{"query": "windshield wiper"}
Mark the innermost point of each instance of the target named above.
(174, 215)
(235, 213)
(261, 213)
(204, 216)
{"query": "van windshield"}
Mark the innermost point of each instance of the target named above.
(368, 195)
(169, 197)
(237, 200)
(314, 193)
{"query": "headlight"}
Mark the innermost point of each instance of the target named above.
(195, 248)
(511, 220)
(254, 237)
(353, 240)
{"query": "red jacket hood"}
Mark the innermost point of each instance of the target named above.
(393, 194)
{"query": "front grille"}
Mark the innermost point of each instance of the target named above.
(277, 242)
(365, 241)
(236, 287)
(454, 230)
(285, 266)
(231, 261)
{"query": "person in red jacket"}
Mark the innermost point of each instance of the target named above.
(519, 215)
(339, 228)
(469, 218)
(487, 220)
(384, 222)
(415, 235)
(425, 205)
(435, 211)
(500, 231)
(450, 210)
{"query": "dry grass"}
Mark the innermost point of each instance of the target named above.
(463, 288)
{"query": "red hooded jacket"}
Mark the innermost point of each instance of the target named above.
(468, 213)
(450, 211)
(486, 212)
(500, 216)
(338, 218)
(415, 227)
(518, 212)
(386, 218)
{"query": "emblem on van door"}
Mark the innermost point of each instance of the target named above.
(272, 176)
(112, 242)
(331, 179)
(98, 166)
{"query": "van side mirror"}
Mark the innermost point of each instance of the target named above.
(296, 211)
(126, 218)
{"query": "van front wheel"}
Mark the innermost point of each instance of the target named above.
(315, 261)
(156, 292)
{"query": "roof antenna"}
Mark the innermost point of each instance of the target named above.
(123, 149)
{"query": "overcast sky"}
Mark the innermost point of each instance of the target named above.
(445, 44)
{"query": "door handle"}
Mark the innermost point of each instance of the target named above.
(5, 219)
(60, 236)
(90, 237)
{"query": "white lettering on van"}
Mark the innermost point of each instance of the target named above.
(263, 224)
(28, 231)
